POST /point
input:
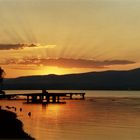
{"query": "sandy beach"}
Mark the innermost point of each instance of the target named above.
(11, 127)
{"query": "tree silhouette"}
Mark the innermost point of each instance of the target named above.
(2, 73)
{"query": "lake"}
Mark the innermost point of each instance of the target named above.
(103, 115)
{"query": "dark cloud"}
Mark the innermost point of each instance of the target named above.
(15, 46)
(68, 63)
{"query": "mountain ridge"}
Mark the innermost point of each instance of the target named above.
(104, 80)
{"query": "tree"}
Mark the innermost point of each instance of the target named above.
(2, 73)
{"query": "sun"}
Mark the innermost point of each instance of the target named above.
(52, 70)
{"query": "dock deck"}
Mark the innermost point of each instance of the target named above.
(46, 97)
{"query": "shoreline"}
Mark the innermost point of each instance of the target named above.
(11, 127)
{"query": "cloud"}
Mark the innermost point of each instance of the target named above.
(24, 67)
(67, 63)
(15, 46)
(22, 46)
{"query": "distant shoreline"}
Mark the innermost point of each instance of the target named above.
(81, 89)
(11, 127)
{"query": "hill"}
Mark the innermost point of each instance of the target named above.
(106, 80)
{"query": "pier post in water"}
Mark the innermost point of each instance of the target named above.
(83, 96)
(71, 96)
(27, 99)
(54, 99)
(58, 98)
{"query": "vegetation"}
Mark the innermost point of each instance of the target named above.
(2, 73)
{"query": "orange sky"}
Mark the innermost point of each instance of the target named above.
(40, 37)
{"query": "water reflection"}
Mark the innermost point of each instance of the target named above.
(98, 118)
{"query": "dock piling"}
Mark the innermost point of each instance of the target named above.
(46, 97)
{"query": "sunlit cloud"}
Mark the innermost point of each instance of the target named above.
(46, 46)
(23, 67)
(67, 63)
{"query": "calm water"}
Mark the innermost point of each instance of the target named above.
(103, 115)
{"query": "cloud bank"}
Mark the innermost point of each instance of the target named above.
(67, 62)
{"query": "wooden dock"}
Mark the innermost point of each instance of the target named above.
(70, 95)
(46, 97)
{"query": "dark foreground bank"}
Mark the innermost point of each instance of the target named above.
(11, 127)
